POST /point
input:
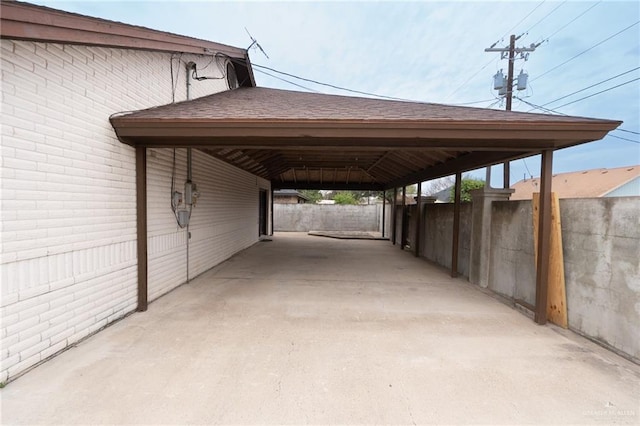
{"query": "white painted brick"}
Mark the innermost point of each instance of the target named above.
(77, 336)
(63, 336)
(34, 331)
(73, 179)
(53, 349)
(34, 311)
(20, 326)
(97, 326)
(35, 349)
(23, 365)
(8, 299)
(55, 333)
(6, 343)
(15, 308)
(16, 348)
(10, 362)
(60, 299)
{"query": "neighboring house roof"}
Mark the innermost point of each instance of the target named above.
(317, 141)
(443, 196)
(289, 193)
(25, 21)
(583, 184)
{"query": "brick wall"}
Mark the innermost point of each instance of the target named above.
(68, 261)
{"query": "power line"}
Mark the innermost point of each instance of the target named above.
(287, 81)
(333, 85)
(473, 103)
(546, 16)
(469, 79)
(522, 20)
(344, 88)
(624, 139)
(558, 112)
(500, 39)
(585, 51)
(597, 93)
(573, 20)
(589, 87)
(628, 131)
(540, 107)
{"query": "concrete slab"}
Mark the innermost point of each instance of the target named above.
(327, 331)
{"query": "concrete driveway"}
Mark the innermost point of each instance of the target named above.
(315, 330)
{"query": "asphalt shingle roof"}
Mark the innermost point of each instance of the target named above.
(257, 103)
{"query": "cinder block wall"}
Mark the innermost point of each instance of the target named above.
(437, 235)
(601, 248)
(327, 217)
(68, 259)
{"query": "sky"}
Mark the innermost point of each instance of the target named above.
(432, 51)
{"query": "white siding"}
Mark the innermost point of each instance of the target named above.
(68, 260)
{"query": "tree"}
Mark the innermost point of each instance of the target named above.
(312, 194)
(345, 197)
(467, 185)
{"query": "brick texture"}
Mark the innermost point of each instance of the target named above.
(68, 262)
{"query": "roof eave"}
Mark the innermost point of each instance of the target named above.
(24, 21)
(505, 135)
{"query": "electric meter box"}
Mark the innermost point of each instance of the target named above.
(183, 218)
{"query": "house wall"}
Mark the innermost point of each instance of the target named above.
(286, 199)
(68, 259)
(629, 189)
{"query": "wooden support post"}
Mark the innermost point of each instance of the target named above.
(141, 225)
(556, 289)
(271, 212)
(403, 219)
(416, 243)
(394, 215)
(506, 175)
(544, 230)
(384, 206)
(456, 226)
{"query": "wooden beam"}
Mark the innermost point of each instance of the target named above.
(463, 163)
(544, 229)
(456, 226)
(141, 226)
(338, 186)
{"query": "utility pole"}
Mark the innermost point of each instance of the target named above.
(510, 53)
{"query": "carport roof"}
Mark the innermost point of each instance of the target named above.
(309, 140)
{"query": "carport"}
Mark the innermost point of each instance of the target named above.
(313, 141)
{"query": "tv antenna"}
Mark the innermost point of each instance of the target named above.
(254, 42)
